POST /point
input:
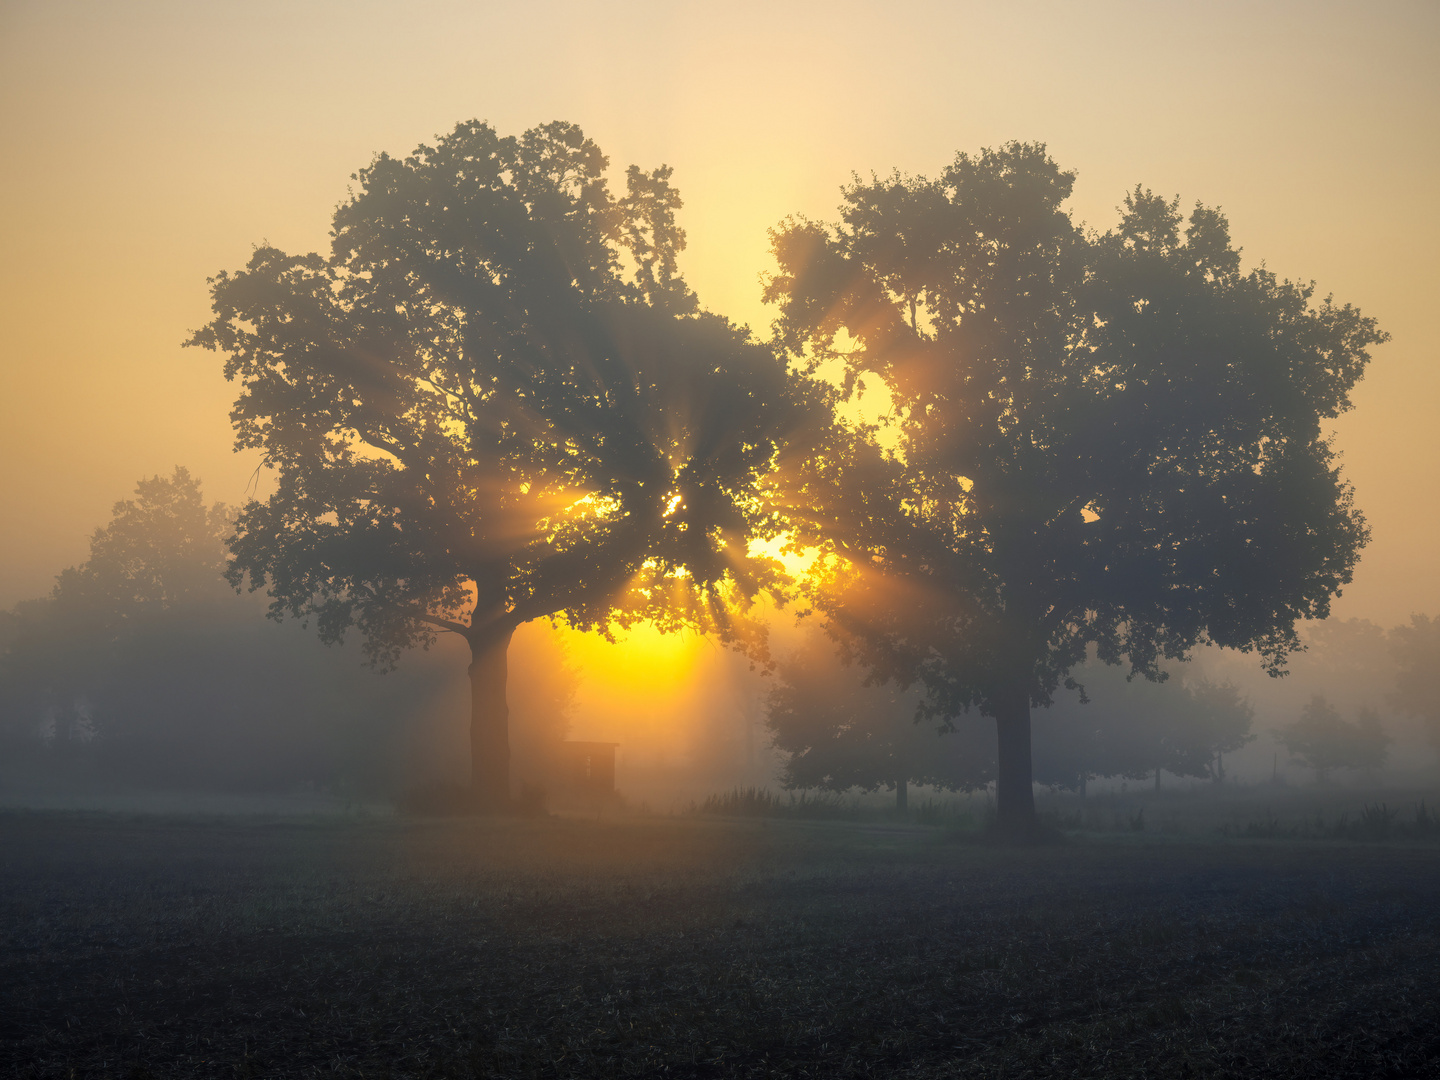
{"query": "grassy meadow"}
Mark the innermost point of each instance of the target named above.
(842, 943)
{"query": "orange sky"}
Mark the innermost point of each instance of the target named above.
(148, 145)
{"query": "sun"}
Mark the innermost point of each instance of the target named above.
(641, 660)
(796, 564)
(639, 688)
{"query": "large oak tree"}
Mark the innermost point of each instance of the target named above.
(1113, 440)
(496, 400)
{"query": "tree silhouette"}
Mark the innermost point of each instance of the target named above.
(1136, 728)
(494, 402)
(140, 666)
(1323, 741)
(162, 550)
(1220, 720)
(1096, 440)
(840, 733)
(1416, 648)
(159, 559)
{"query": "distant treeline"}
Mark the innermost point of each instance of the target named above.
(145, 668)
(840, 733)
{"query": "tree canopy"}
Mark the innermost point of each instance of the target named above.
(160, 557)
(144, 668)
(495, 401)
(1416, 650)
(1096, 440)
(163, 550)
(1324, 741)
(839, 733)
(1136, 727)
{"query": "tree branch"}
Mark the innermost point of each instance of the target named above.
(445, 624)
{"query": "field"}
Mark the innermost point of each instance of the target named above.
(184, 946)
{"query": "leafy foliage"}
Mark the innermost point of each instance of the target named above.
(840, 733)
(1133, 727)
(143, 668)
(497, 401)
(1416, 648)
(163, 550)
(1097, 440)
(473, 406)
(157, 563)
(1321, 740)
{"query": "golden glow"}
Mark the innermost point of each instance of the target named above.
(637, 690)
(641, 660)
(796, 563)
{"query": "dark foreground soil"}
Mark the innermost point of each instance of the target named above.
(154, 947)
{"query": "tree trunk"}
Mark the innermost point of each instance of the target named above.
(489, 721)
(902, 797)
(1014, 779)
(1219, 768)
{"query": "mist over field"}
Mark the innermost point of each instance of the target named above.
(215, 700)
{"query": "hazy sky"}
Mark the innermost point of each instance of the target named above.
(149, 145)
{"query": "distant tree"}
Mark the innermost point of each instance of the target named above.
(1095, 440)
(161, 556)
(1323, 741)
(840, 733)
(143, 668)
(1121, 727)
(1220, 720)
(163, 550)
(1416, 648)
(1355, 653)
(495, 402)
(1071, 745)
(1137, 728)
(1176, 728)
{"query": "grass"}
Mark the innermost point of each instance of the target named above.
(1263, 812)
(965, 813)
(705, 946)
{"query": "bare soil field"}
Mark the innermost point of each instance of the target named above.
(155, 946)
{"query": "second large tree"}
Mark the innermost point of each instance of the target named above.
(496, 401)
(1096, 440)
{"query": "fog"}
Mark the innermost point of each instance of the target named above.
(203, 702)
